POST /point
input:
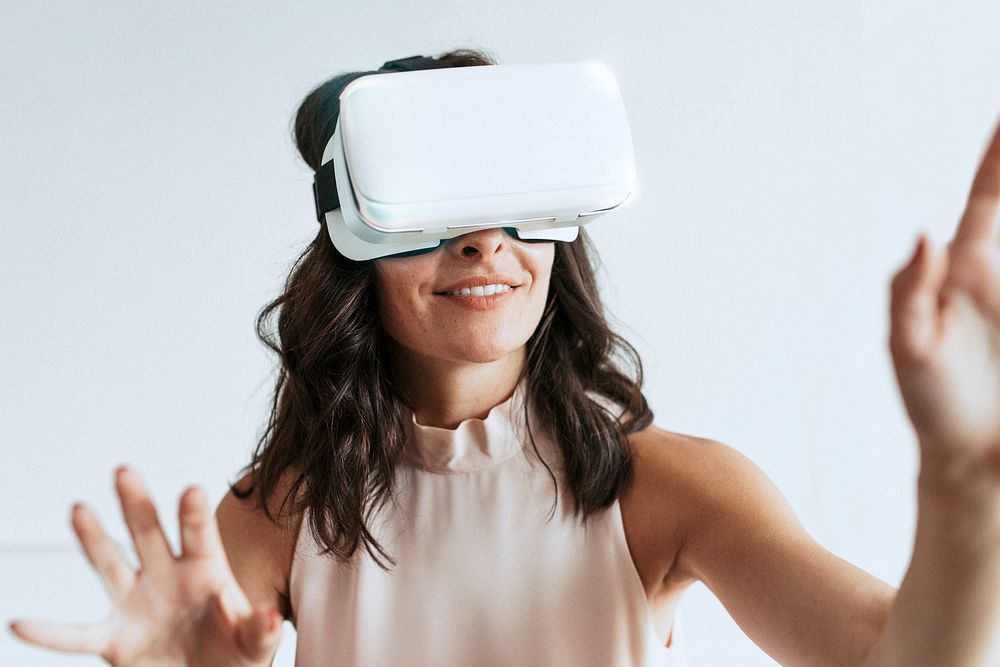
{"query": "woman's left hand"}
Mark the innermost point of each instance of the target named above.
(945, 334)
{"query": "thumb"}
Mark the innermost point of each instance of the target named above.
(915, 291)
(259, 632)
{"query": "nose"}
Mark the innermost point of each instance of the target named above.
(482, 244)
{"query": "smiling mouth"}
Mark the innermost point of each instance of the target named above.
(480, 290)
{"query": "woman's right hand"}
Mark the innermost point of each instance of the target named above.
(176, 610)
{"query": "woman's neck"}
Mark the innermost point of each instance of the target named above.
(444, 393)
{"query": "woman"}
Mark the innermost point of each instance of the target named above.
(399, 445)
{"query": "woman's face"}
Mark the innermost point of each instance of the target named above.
(424, 310)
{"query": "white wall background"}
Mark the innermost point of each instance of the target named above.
(151, 202)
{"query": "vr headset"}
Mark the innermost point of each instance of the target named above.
(426, 152)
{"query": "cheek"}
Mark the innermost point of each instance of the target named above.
(399, 308)
(539, 299)
(542, 271)
(400, 316)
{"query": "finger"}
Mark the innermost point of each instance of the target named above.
(72, 637)
(199, 530)
(102, 552)
(232, 603)
(140, 516)
(259, 633)
(979, 219)
(914, 303)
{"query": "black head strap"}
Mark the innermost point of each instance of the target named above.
(412, 63)
(325, 191)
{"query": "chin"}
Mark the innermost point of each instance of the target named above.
(484, 354)
(482, 349)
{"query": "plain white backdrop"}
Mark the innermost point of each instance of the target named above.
(152, 202)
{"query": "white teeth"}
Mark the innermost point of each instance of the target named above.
(481, 290)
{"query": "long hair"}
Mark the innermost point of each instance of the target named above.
(336, 424)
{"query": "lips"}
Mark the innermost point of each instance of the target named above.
(480, 281)
(473, 301)
(488, 290)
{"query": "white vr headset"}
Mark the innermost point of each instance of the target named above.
(428, 152)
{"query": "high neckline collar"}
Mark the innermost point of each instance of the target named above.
(472, 445)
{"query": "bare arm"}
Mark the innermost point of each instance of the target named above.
(946, 610)
(260, 551)
(804, 605)
(945, 345)
(797, 601)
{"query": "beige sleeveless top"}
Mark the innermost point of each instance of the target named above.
(486, 573)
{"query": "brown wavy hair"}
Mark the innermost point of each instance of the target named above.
(336, 421)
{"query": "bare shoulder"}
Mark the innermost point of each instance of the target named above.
(696, 490)
(260, 551)
(685, 469)
(671, 456)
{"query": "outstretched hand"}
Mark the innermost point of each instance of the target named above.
(176, 610)
(945, 335)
